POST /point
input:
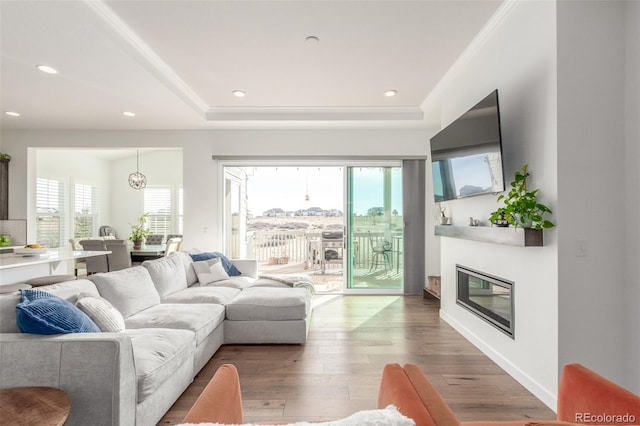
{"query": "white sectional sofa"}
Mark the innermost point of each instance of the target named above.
(173, 327)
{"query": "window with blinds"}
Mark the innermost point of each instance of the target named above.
(86, 211)
(158, 208)
(50, 212)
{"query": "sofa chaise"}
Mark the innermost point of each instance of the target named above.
(173, 326)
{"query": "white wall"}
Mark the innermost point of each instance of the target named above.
(592, 290)
(632, 190)
(518, 57)
(162, 167)
(200, 175)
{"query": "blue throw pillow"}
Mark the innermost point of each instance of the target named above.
(228, 266)
(40, 312)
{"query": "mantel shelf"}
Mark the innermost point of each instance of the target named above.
(492, 234)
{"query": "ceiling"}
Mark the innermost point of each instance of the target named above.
(175, 64)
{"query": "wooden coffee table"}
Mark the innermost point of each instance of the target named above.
(34, 406)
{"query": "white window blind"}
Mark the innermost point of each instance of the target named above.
(86, 211)
(50, 212)
(157, 206)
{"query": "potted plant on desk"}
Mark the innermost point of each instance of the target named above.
(138, 232)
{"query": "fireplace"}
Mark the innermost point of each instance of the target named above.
(489, 297)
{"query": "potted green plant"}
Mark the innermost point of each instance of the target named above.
(138, 232)
(521, 207)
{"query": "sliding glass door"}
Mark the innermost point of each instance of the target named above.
(339, 223)
(374, 228)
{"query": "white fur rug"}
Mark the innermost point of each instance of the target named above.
(390, 416)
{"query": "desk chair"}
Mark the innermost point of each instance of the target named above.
(154, 240)
(79, 263)
(120, 257)
(95, 263)
(173, 245)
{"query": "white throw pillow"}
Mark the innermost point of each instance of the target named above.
(101, 312)
(210, 271)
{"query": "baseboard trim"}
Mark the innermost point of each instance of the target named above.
(548, 398)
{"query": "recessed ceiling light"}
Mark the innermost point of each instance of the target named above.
(312, 40)
(239, 93)
(12, 113)
(129, 114)
(390, 93)
(47, 69)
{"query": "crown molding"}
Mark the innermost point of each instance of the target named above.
(504, 10)
(148, 57)
(315, 114)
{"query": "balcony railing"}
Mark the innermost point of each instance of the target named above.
(300, 246)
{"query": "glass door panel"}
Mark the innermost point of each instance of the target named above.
(375, 227)
(235, 213)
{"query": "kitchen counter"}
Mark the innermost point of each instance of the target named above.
(16, 268)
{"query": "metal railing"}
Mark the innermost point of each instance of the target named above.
(300, 246)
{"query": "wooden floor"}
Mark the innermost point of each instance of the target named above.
(337, 372)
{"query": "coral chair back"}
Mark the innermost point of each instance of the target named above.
(407, 388)
(221, 400)
(583, 395)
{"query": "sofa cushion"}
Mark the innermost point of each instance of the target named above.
(211, 294)
(270, 304)
(130, 290)
(167, 273)
(210, 271)
(201, 319)
(101, 312)
(40, 312)
(67, 291)
(187, 262)
(158, 353)
(228, 265)
(234, 282)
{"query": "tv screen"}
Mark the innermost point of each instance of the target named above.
(466, 156)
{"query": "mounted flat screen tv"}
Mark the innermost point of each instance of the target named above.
(466, 156)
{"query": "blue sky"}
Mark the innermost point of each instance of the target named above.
(286, 187)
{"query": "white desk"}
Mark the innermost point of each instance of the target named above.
(16, 268)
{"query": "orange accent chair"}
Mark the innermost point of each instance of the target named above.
(583, 398)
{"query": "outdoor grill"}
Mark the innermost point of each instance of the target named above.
(332, 248)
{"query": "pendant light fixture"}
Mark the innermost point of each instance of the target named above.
(137, 180)
(307, 197)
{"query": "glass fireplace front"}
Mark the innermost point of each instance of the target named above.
(489, 297)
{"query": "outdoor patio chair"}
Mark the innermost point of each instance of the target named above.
(380, 252)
